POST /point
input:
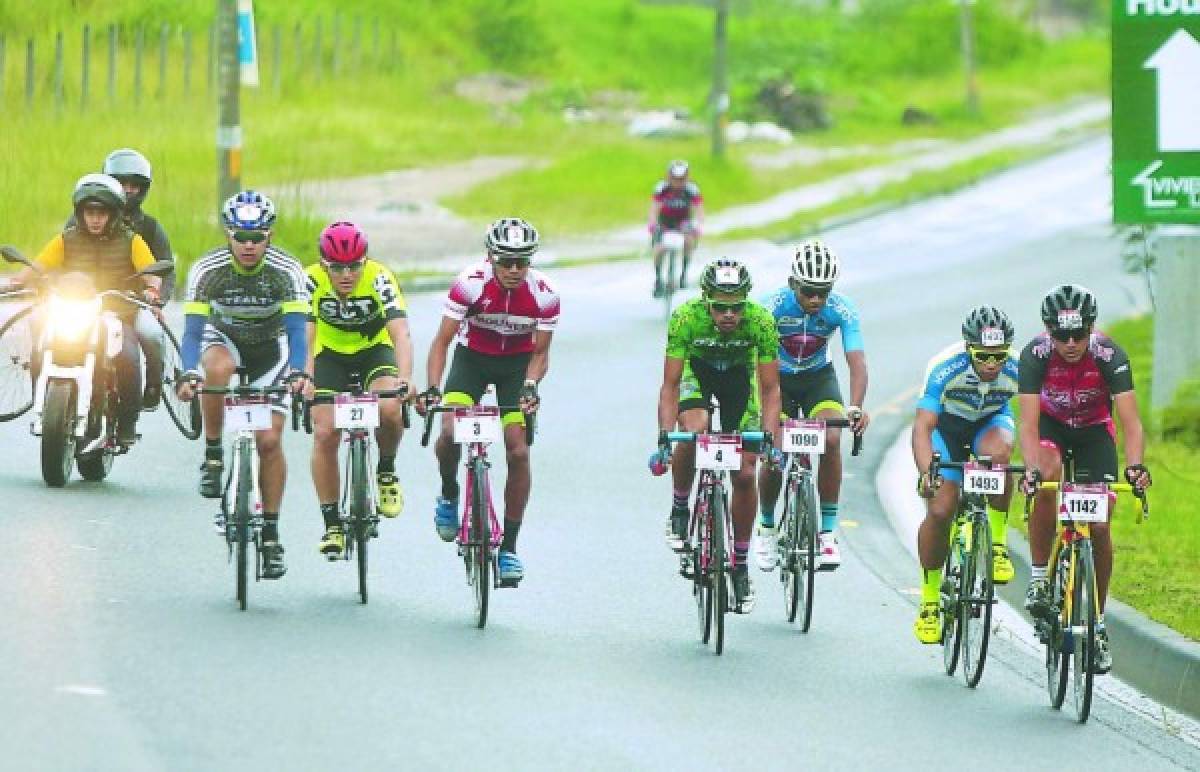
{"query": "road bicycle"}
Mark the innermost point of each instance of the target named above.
(1068, 630)
(356, 416)
(672, 243)
(802, 442)
(479, 530)
(968, 590)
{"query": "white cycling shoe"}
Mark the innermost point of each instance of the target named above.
(829, 556)
(766, 547)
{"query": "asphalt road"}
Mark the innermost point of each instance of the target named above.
(123, 649)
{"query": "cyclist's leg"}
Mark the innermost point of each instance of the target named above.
(266, 366)
(219, 360)
(933, 536)
(823, 399)
(995, 440)
(464, 386)
(737, 395)
(330, 374)
(770, 480)
(1096, 460)
(693, 417)
(378, 366)
(1043, 520)
(690, 239)
(508, 373)
(656, 249)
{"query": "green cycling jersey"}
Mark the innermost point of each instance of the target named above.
(692, 334)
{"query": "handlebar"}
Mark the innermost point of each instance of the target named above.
(257, 391)
(1115, 487)
(328, 399)
(844, 423)
(764, 437)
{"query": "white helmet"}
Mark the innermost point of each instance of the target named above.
(815, 264)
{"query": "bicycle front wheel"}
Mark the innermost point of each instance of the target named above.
(16, 365)
(978, 597)
(951, 600)
(185, 415)
(479, 537)
(241, 519)
(719, 562)
(1084, 610)
(359, 510)
(1057, 633)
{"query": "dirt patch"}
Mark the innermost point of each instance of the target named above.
(494, 88)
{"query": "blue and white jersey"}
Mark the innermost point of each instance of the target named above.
(952, 386)
(804, 338)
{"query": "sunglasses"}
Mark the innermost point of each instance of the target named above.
(809, 291)
(735, 307)
(343, 267)
(985, 357)
(249, 237)
(511, 262)
(1069, 336)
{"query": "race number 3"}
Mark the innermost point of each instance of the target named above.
(476, 424)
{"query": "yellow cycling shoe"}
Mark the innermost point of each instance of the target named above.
(928, 627)
(333, 543)
(391, 497)
(1002, 567)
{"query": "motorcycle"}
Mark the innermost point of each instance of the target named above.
(75, 388)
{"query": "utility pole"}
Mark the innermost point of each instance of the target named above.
(967, 35)
(720, 87)
(229, 128)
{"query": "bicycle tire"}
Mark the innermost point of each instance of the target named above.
(241, 519)
(480, 538)
(16, 365)
(1057, 663)
(1083, 624)
(977, 606)
(699, 530)
(719, 576)
(359, 515)
(809, 532)
(952, 604)
(185, 415)
(791, 566)
(669, 285)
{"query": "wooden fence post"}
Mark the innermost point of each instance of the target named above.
(85, 78)
(317, 49)
(187, 62)
(337, 43)
(276, 57)
(210, 70)
(164, 39)
(112, 63)
(29, 73)
(3, 56)
(139, 47)
(356, 61)
(58, 70)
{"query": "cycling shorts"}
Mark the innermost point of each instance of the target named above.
(471, 373)
(265, 363)
(808, 393)
(735, 389)
(1094, 448)
(687, 227)
(953, 434)
(333, 371)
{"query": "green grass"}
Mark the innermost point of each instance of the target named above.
(400, 111)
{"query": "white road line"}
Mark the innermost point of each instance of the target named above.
(82, 689)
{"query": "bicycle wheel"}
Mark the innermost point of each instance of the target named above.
(978, 597)
(669, 285)
(791, 565)
(1083, 630)
(480, 539)
(359, 510)
(951, 600)
(185, 415)
(241, 518)
(809, 531)
(16, 369)
(720, 577)
(701, 528)
(1057, 638)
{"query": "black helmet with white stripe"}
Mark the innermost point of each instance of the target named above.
(987, 326)
(511, 237)
(1069, 307)
(727, 276)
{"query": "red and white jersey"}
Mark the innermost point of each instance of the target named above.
(496, 321)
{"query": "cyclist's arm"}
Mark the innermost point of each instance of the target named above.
(402, 344)
(435, 366)
(655, 209)
(295, 323)
(1131, 426)
(922, 438)
(856, 361)
(698, 217)
(668, 395)
(310, 335)
(768, 389)
(193, 331)
(539, 363)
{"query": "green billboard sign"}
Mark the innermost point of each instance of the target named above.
(1156, 111)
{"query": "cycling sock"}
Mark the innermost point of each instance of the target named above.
(213, 451)
(1037, 572)
(511, 529)
(329, 513)
(386, 465)
(829, 515)
(270, 530)
(931, 584)
(740, 550)
(450, 490)
(998, 518)
(679, 500)
(767, 518)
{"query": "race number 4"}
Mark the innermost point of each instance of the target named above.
(717, 453)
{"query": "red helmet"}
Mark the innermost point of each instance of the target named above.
(342, 242)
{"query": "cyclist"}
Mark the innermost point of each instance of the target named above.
(675, 206)
(725, 346)
(807, 312)
(1071, 379)
(503, 314)
(246, 306)
(965, 401)
(100, 245)
(358, 324)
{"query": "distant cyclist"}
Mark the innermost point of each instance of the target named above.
(358, 325)
(503, 314)
(720, 345)
(807, 313)
(676, 206)
(965, 402)
(1071, 379)
(246, 306)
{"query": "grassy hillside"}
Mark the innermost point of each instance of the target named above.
(400, 110)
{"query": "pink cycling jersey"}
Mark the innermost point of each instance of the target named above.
(496, 321)
(1078, 394)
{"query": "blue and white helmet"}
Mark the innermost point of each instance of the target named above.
(248, 210)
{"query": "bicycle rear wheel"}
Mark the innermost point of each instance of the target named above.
(1057, 638)
(1083, 630)
(241, 519)
(479, 538)
(185, 415)
(951, 600)
(16, 365)
(359, 510)
(977, 605)
(720, 577)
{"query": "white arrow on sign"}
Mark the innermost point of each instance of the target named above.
(1178, 65)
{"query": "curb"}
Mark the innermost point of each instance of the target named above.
(1149, 656)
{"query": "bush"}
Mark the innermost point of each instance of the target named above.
(511, 35)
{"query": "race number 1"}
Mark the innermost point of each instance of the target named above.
(714, 452)
(246, 414)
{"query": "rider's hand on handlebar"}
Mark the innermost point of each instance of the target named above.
(859, 419)
(928, 484)
(188, 384)
(1030, 481)
(1138, 476)
(774, 457)
(428, 399)
(658, 462)
(298, 381)
(529, 399)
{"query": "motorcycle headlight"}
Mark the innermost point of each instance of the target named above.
(72, 319)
